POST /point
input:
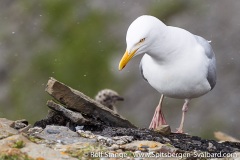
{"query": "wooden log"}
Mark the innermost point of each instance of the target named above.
(77, 101)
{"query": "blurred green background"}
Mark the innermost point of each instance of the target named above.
(66, 40)
(69, 40)
(81, 42)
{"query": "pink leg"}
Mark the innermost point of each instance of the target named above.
(184, 110)
(158, 117)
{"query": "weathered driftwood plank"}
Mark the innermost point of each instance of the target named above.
(77, 101)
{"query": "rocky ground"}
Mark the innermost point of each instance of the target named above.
(20, 141)
(78, 127)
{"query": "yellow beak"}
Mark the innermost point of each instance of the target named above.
(126, 58)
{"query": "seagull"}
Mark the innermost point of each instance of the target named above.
(177, 63)
(108, 98)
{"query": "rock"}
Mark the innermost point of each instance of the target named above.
(122, 139)
(163, 129)
(140, 145)
(85, 134)
(35, 130)
(19, 124)
(13, 153)
(196, 142)
(119, 150)
(79, 128)
(80, 103)
(150, 146)
(105, 141)
(73, 146)
(225, 137)
(118, 140)
(237, 155)
(82, 150)
(73, 116)
(164, 149)
(25, 129)
(211, 147)
(114, 147)
(166, 139)
(5, 129)
(129, 147)
(61, 134)
(33, 150)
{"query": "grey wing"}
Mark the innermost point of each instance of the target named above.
(211, 75)
(141, 70)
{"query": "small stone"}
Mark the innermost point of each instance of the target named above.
(114, 147)
(123, 139)
(140, 145)
(19, 124)
(86, 134)
(100, 138)
(164, 149)
(163, 129)
(5, 128)
(119, 150)
(35, 130)
(80, 131)
(137, 151)
(105, 140)
(174, 139)
(120, 142)
(25, 129)
(116, 138)
(52, 131)
(79, 128)
(109, 142)
(166, 139)
(196, 142)
(59, 141)
(144, 146)
(128, 138)
(222, 137)
(211, 147)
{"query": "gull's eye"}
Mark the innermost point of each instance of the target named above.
(142, 40)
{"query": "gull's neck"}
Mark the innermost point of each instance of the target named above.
(168, 42)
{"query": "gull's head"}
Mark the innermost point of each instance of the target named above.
(140, 36)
